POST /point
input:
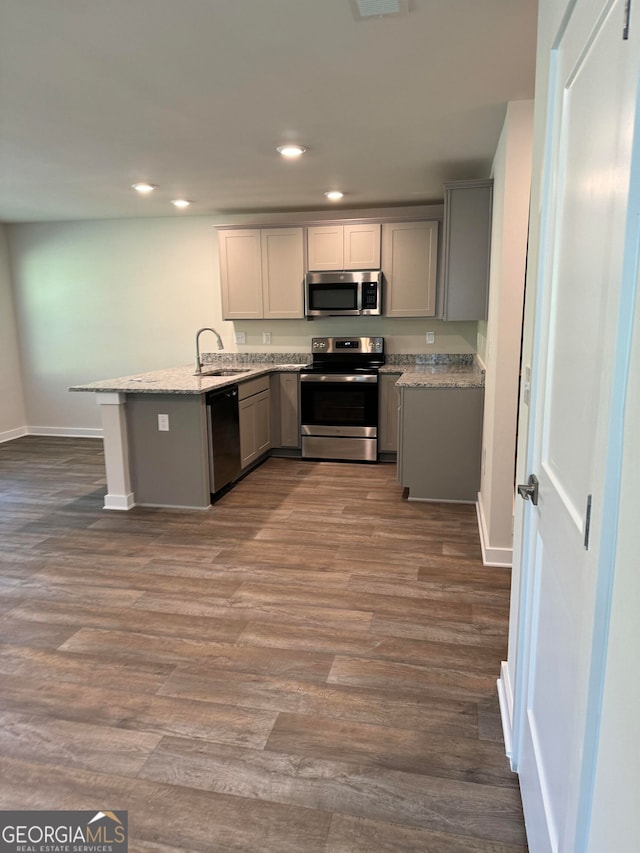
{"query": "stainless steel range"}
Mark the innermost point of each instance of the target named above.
(339, 399)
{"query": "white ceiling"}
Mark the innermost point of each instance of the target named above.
(195, 95)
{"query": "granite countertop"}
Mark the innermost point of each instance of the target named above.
(181, 380)
(436, 371)
(441, 376)
(416, 371)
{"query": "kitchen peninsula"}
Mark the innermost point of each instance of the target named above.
(147, 464)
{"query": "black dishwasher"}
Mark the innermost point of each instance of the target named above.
(223, 431)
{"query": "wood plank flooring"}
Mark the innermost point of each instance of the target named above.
(308, 666)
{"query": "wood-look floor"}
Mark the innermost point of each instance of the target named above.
(310, 665)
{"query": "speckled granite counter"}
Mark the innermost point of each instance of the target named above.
(458, 370)
(181, 380)
(436, 371)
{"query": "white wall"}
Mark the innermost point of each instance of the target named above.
(100, 299)
(500, 338)
(12, 409)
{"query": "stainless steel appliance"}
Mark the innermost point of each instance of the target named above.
(343, 293)
(339, 399)
(223, 430)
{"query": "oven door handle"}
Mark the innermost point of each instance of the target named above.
(339, 377)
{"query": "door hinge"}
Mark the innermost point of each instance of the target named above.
(587, 524)
(627, 15)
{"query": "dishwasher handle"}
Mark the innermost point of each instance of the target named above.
(212, 396)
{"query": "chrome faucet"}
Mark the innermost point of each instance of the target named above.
(198, 333)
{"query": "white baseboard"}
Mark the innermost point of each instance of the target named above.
(11, 434)
(499, 557)
(438, 501)
(505, 698)
(65, 432)
(53, 432)
(119, 502)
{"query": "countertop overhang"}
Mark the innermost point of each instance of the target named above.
(182, 380)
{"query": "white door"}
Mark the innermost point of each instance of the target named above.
(592, 103)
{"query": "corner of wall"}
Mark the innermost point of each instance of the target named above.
(13, 411)
(491, 556)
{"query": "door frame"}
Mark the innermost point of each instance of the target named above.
(605, 567)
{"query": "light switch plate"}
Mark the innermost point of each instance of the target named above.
(163, 423)
(266, 337)
(431, 337)
(239, 337)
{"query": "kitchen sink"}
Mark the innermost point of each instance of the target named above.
(223, 371)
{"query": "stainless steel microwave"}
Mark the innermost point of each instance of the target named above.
(343, 293)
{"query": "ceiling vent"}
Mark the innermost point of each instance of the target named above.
(379, 8)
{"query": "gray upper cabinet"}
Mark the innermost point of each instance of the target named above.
(241, 274)
(343, 247)
(261, 273)
(409, 264)
(466, 249)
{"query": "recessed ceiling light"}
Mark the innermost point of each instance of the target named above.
(180, 202)
(379, 8)
(334, 195)
(291, 151)
(144, 187)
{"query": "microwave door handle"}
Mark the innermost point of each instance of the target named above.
(359, 299)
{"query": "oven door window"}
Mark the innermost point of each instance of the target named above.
(333, 297)
(339, 404)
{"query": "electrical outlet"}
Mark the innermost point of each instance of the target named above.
(163, 423)
(239, 337)
(431, 337)
(266, 337)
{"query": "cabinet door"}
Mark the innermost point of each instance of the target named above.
(282, 273)
(362, 247)
(255, 426)
(262, 404)
(388, 418)
(409, 263)
(240, 274)
(325, 250)
(289, 410)
(467, 249)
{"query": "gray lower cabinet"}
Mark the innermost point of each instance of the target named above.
(440, 443)
(254, 404)
(168, 467)
(289, 410)
(388, 413)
